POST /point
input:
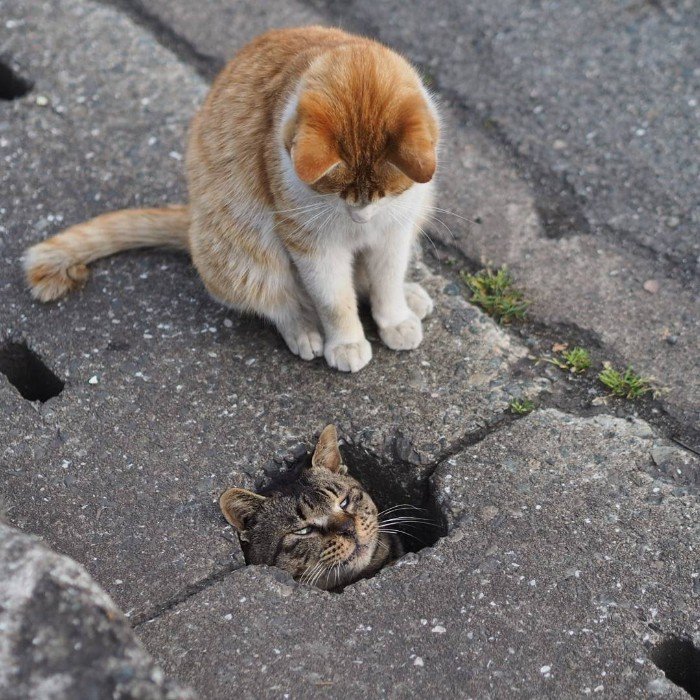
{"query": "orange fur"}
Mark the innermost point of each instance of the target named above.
(362, 130)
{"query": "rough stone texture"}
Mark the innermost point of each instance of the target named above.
(61, 636)
(169, 398)
(564, 559)
(571, 136)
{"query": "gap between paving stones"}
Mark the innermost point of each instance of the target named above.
(205, 65)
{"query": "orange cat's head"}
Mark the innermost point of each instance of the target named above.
(363, 127)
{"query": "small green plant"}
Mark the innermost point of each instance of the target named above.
(627, 384)
(577, 360)
(521, 408)
(495, 294)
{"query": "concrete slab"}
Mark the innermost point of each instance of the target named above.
(564, 563)
(61, 635)
(169, 398)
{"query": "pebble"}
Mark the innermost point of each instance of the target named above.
(93, 380)
(418, 661)
(663, 455)
(488, 513)
(652, 286)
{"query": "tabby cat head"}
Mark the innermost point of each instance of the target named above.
(363, 127)
(321, 528)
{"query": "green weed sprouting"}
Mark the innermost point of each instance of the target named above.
(627, 384)
(495, 294)
(521, 408)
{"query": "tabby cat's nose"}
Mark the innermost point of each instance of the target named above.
(346, 526)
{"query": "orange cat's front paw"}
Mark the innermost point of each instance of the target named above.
(307, 344)
(348, 357)
(418, 299)
(406, 335)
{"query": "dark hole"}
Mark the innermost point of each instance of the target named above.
(27, 373)
(395, 484)
(679, 659)
(12, 86)
(389, 485)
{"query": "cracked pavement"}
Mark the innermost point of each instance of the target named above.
(170, 398)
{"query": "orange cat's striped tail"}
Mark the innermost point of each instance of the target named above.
(59, 264)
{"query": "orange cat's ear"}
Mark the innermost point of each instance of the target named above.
(327, 453)
(413, 147)
(238, 505)
(313, 153)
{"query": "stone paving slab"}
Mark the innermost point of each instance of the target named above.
(579, 281)
(169, 398)
(61, 636)
(576, 200)
(564, 557)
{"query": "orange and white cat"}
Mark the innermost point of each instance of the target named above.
(309, 171)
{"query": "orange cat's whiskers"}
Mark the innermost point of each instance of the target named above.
(305, 207)
(432, 217)
(406, 220)
(305, 225)
(451, 213)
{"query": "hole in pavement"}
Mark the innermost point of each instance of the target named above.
(27, 373)
(679, 659)
(389, 484)
(12, 86)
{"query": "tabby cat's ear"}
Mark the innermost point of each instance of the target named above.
(413, 145)
(327, 453)
(238, 505)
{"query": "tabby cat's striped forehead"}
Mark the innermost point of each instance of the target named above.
(314, 493)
